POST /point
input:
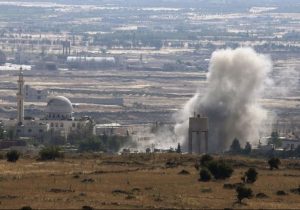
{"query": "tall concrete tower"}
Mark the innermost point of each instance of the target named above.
(199, 126)
(20, 97)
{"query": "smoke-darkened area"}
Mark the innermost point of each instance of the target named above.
(236, 80)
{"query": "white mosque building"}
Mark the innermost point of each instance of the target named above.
(59, 119)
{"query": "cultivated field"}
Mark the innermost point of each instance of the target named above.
(139, 181)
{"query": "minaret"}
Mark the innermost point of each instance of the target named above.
(20, 97)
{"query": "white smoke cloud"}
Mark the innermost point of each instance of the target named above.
(236, 80)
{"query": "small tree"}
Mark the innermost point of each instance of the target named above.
(50, 153)
(205, 175)
(12, 156)
(251, 175)
(235, 146)
(248, 148)
(275, 140)
(91, 144)
(178, 150)
(243, 192)
(205, 159)
(220, 169)
(274, 163)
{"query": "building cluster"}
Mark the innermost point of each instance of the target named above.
(57, 122)
(58, 117)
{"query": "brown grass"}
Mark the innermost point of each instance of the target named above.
(138, 181)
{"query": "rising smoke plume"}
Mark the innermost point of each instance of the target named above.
(236, 80)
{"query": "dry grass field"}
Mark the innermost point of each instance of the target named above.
(139, 181)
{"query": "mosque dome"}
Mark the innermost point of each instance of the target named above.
(59, 108)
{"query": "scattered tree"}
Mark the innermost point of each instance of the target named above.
(250, 175)
(275, 140)
(205, 159)
(205, 175)
(243, 192)
(274, 163)
(178, 150)
(148, 150)
(91, 145)
(235, 146)
(12, 156)
(50, 153)
(220, 169)
(248, 148)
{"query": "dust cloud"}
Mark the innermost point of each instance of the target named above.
(236, 80)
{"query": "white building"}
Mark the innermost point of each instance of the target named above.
(58, 119)
(112, 129)
(290, 143)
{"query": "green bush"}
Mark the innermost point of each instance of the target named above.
(91, 145)
(205, 175)
(243, 192)
(50, 153)
(251, 175)
(205, 159)
(274, 163)
(220, 169)
(12, 156)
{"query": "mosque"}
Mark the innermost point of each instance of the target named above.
(58, 119)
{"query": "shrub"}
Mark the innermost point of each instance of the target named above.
(220, 169)
(50, 153)
(205, 175)
(91, 145)
(87, 208)
(232, 186)
(26, 208)
(243, 192)
(251, 175)
(184, 172)
(296, 190)
(274, 163)
(205, 159)
(281, 192)
(12, 156)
